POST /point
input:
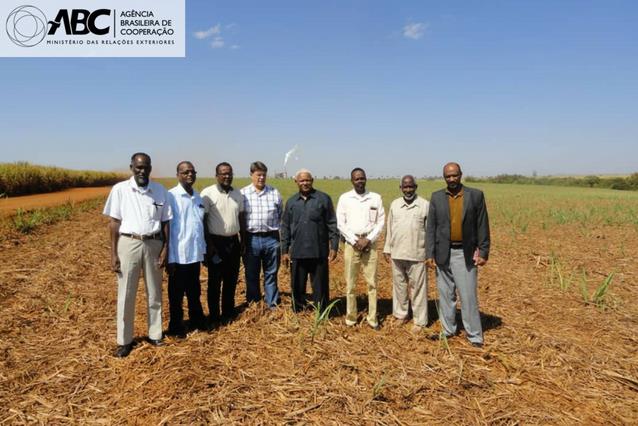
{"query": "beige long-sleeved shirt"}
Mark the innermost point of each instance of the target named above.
(405, 235)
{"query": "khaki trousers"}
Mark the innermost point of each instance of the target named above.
(354, 261)
(136, 256)
(409, 279)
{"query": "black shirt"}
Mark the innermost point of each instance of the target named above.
(309, 227)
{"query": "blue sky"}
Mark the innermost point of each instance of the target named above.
(394, 87)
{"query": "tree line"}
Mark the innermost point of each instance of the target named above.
(629, 183)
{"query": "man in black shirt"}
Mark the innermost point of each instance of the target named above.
(309, 239)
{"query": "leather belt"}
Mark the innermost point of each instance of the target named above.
(155, 236)
(224, 237)
(456, 244)
(266, 234)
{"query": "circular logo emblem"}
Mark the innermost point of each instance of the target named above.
(26, 26)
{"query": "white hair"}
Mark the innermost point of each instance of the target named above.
(302, 171)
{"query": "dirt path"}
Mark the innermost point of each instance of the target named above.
(8, 206)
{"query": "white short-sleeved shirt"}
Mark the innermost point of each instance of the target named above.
(223, 210)
(359, 215)
(141, 210)
(187, 244)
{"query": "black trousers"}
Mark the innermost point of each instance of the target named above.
(226, 271)
(317, 269)
(184, 280)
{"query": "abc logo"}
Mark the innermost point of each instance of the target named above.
(26, 26)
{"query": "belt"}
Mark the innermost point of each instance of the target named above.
(224, 237)
(155, 236)
(266, 234)
(456, 244)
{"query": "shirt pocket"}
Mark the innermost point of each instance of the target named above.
(271, 210)
(315, 214)
(373, 213)
(155, 209)
(418, 220)
(199, 212)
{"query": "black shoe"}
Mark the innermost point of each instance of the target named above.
(156, 342)
(439, 336)
(477, 344)
(178, 333)
(123, 351)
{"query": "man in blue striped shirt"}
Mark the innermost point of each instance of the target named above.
(185, 252)
(263, 207)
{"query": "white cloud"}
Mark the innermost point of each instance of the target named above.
(414, 30)
(218, 35)
(218, 42)
(208, 33)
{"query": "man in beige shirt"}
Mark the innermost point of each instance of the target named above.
(405, 248)
(223, 206)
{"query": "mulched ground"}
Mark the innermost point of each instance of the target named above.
(549, 357)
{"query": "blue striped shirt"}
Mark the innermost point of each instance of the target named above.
(263, 209)
(187, 244)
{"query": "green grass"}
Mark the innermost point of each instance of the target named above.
(26, 222)
(517, 209)
(320, 318)
(22, 178)
(599, 298)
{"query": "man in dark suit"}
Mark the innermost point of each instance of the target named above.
(457, 242)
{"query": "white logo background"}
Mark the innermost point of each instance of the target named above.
(137, 28)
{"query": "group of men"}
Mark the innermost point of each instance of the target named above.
(180, 229)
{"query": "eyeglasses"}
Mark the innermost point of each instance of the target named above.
(188, 172)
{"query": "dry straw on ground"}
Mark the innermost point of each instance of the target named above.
(549, 357)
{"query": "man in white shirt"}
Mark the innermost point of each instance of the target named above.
(405, 248)
(263, 206)
(360, 219)
(224, 207)
(140, 213)
(185, 252)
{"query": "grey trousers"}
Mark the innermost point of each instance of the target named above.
(136, 256)
(450, 278)
(409, 286)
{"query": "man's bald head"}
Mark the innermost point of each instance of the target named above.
(452, 166)
(141, 155)
(408, 180)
